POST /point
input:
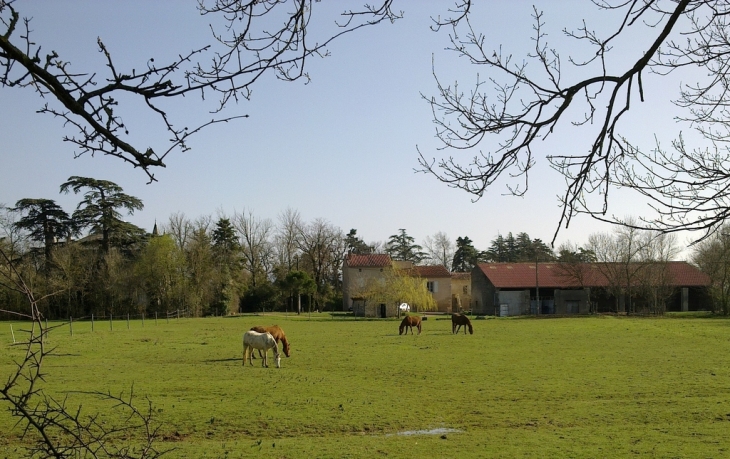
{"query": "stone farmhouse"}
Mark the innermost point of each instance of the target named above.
(360, 270)
(510, 289)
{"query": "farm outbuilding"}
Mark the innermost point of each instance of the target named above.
(360, 272)
(510, 289)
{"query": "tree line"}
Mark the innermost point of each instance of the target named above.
(93, 262)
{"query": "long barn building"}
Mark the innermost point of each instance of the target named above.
(510, 289)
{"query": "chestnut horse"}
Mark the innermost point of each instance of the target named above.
(457, 320)
(410, 321)
(261, 341)
(278, 335)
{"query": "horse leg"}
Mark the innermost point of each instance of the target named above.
(265, 361)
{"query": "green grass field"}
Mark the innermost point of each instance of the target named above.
(571, 387)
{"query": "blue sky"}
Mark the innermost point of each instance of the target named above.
(342, 148)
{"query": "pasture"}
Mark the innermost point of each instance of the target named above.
(571, 387)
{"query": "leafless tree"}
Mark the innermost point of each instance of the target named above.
(523, 101)
(712, 256)
(180, 228)
(51, 428)
(256, 37)
(440, 249)
(13, 236)
(256, 243)
(655, 279)
(634, 262)
(290, 224)
(323, 250)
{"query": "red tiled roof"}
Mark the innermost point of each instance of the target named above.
(431, 271)
(555, 275)
(373, 260)
(461, 276)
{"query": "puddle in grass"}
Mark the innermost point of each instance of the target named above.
(439, 431)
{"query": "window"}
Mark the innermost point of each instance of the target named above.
(432, 286)
(466, 290)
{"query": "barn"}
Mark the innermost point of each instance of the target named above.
(512, 289)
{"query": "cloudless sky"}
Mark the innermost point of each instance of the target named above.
(342, 147)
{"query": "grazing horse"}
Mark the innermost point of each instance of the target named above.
(262, 341)
(277, 333)
(410, 321)
(457, 320)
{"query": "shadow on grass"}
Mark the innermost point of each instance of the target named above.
(235, 359)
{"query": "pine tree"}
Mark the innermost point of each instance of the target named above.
(402, 247)
(466, 256)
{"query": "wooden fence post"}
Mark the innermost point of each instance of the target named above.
(71, 325)
(92, 322)
(127, 321)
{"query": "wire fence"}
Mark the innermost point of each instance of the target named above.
(106, 322)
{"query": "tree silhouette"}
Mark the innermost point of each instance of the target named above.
(99, 209)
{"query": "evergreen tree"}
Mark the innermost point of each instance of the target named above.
(466, 256)
(525, 248)
(403, 247)
(225, 240)
(542, 250)
(45, 221)
(355, 244)
(100, 210)
(497, 251)
(566, 254)
(225, 249)
(511, 246)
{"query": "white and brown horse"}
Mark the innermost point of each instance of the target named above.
(262, 341)
(278, 335)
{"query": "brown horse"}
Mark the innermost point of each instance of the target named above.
(410, 321)
(457, 320)
(277, 333)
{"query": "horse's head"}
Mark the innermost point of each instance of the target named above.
(400, 329)
(278, 360)
(287, 348)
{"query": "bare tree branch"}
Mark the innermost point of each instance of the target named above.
(260, 37)
(516, 106)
